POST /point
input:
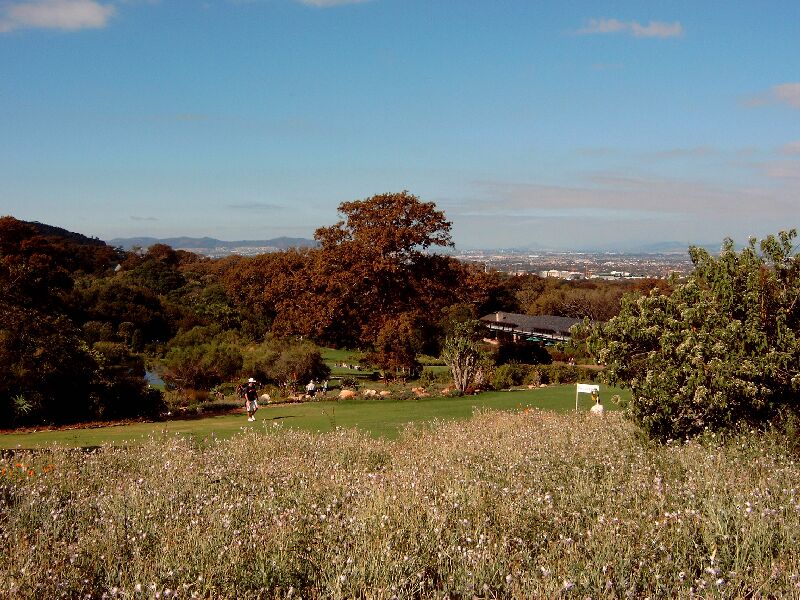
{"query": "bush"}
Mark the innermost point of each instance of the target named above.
(286, 362)
(533, 377)
(349, 382)
(120, 390)
(718, 352)
(509, 375)
(560, 374)
(202, 366)
(428, 378)
(404, 394)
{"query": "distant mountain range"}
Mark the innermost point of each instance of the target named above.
(209, 243)
(215, 247)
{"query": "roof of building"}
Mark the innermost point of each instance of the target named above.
(531, 323)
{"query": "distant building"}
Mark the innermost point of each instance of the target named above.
(557, 274)
(532, 328)
(613, 275)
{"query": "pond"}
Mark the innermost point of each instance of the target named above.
(153, 378)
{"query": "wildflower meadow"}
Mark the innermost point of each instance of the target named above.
(505, 505)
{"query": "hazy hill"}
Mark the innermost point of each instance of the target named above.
(52, 231)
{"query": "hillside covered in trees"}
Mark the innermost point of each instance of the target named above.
(79, 318)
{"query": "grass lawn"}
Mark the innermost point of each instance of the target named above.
(381, 418)
(333, 357)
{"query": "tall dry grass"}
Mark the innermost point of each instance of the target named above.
(504, 506)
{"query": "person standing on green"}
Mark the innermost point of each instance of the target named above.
(251, 399)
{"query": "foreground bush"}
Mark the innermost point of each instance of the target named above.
(721, 349)
(521, 505)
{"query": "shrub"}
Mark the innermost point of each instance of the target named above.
(202, 366)
(520, 352)
(533, 377)
(349, 382)
(508, 375)
(403, 394)
(428, 378)
(720, 351)
(286, 362)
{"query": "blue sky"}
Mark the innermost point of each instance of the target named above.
(559, 124)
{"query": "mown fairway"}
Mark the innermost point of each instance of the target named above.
(380, 418)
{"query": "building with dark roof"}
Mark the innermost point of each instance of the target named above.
(533, 328)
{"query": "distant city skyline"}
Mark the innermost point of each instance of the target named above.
(560, 125)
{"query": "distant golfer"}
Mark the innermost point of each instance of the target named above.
(251, 399)
(597, 409)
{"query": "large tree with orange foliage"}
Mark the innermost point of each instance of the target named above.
(371, 267)
(374, 265)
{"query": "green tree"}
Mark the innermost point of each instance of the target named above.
(51, 370)
(45, 368)
(463, 354)
(722, 349)
(397, 347)
(119, 389)
(115, 304)
(157, 270)
(285, 362)
(202, 358)
(45, 361)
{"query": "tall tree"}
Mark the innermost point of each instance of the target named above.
(397, 347)
(393, 227)
(464, 355)
(373, 266)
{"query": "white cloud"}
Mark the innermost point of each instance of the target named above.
(622, 196)
(657, 29)
(785, 93)
(791, 148)
(788, 93)
(614, 207)
(782, 169)
(68, 15)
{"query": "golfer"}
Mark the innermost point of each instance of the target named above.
(251, 399)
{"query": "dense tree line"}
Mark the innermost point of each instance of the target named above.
(50, 368)
(77, 317)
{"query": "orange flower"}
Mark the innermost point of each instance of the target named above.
(31, 472)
